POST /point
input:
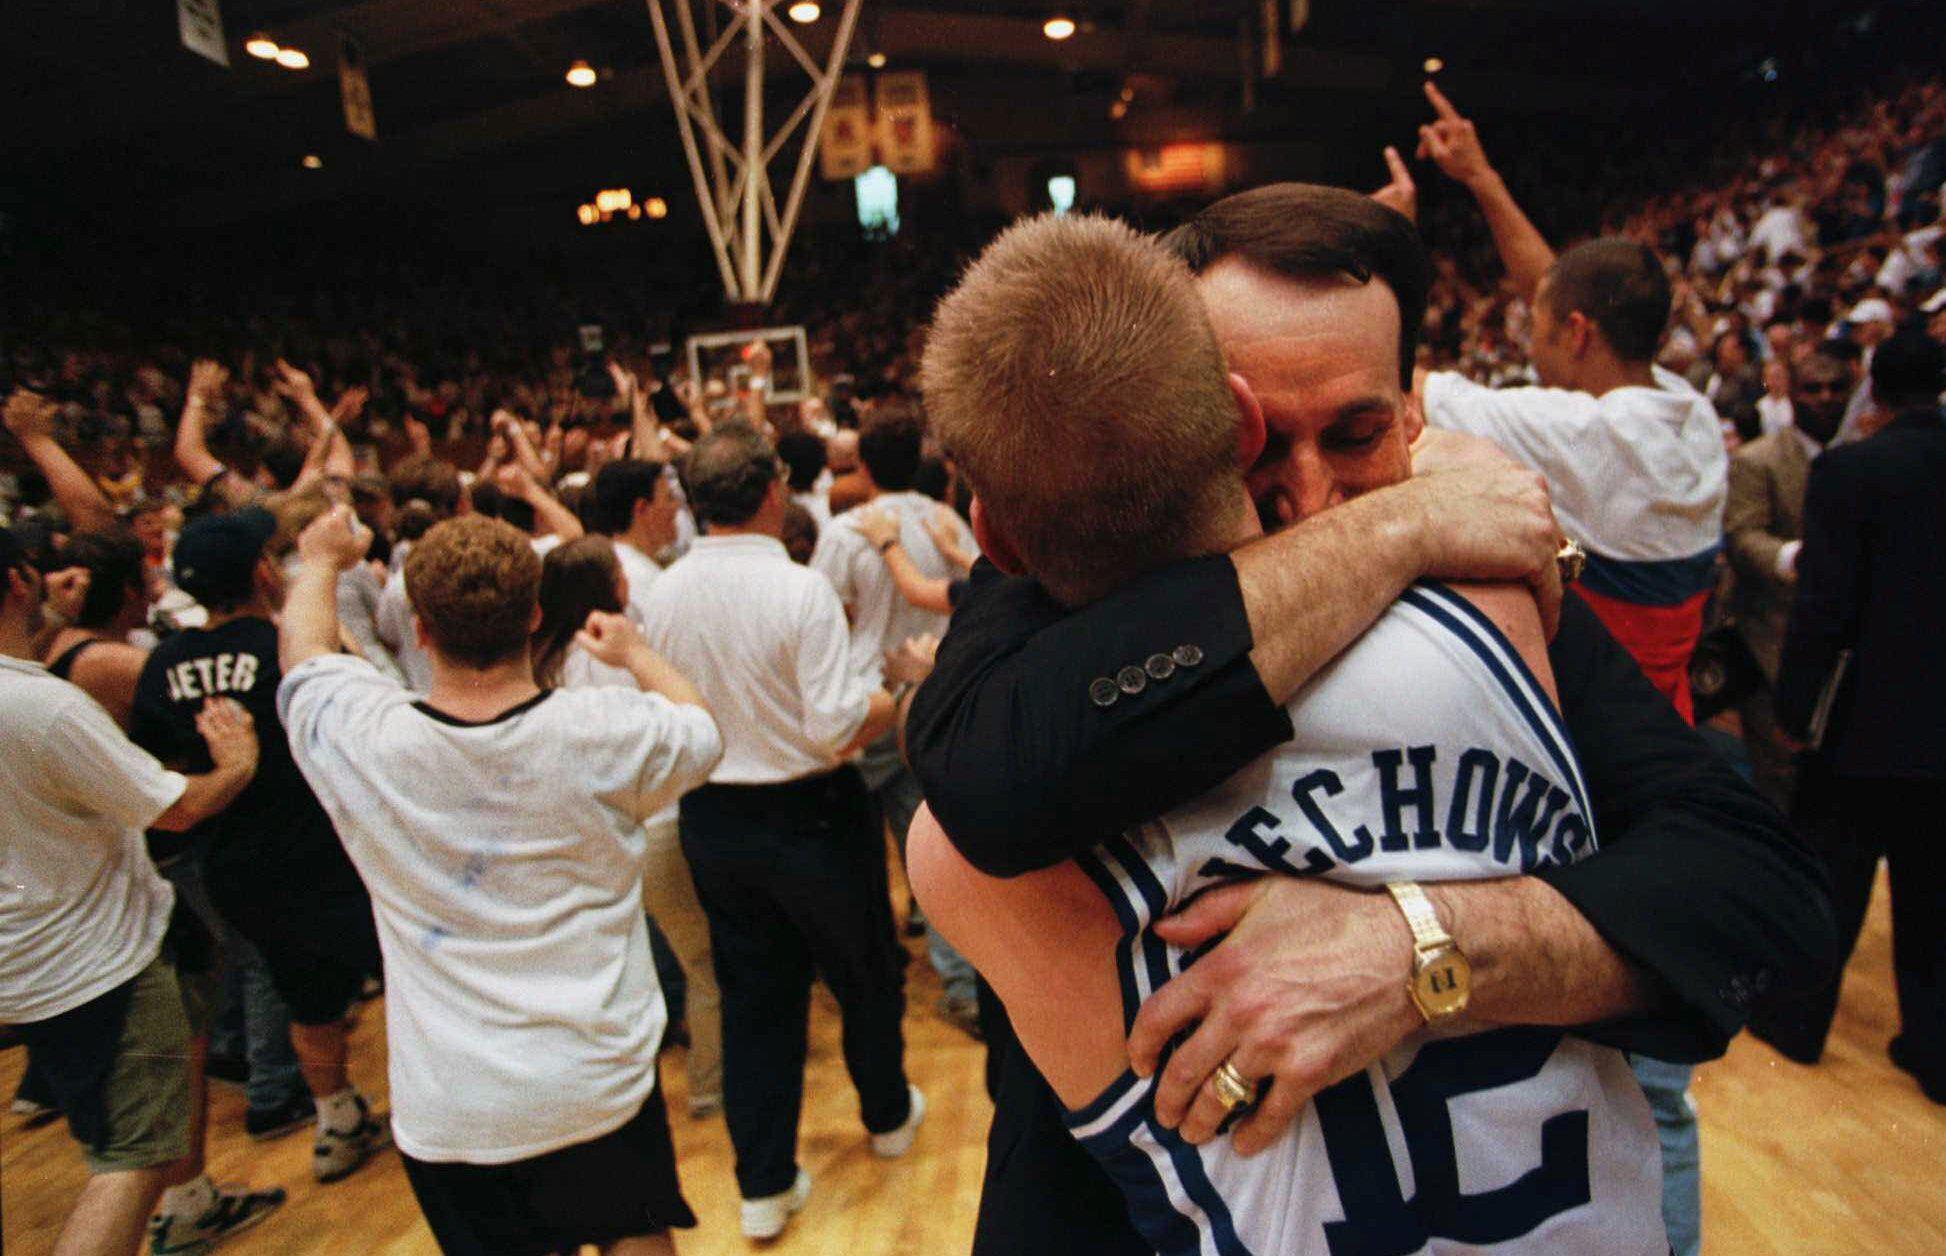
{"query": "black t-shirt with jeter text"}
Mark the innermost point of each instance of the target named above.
(275, 835)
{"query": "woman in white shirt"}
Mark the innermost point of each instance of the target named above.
(577, 578)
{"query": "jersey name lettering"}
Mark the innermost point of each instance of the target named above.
(1494, 805)
(194, 679)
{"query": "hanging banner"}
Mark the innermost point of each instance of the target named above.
(845, 148)
(905, 140)
(355, 89)
(200, 23)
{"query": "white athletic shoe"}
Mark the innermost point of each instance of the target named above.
(895, 1143)
(766, 1218)
(336, 1153)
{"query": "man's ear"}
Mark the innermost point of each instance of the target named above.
(1581, 333)
(1413, 414)
(533, 620)
(1250, 422)
(995, 546)
(420, 636)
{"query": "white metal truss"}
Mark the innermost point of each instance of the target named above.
(747, 233)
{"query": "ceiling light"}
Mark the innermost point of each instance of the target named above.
(313, 162)
(261, 46)
(1118, 110)
(588, 215)
(656, 207)
(804, 12)
(293, 59)
(581, 74)
(1433, 65)
(876, 61)
(1058, 28)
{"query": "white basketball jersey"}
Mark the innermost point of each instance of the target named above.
(1426, 752)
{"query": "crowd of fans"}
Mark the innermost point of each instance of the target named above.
(188, 480)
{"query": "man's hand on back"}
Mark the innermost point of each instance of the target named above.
(1486, 517)
(231, 735)
(1308, 988)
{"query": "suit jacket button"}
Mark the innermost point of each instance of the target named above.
(1188, 655)
(1104, 692)
(1132, 680)
(1160, 667)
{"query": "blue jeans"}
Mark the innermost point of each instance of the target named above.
(251, 1021)
(899, 798)
(1667, 1088)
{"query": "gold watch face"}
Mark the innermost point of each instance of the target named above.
(1441, 982)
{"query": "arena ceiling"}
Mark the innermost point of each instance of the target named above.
(106, 108)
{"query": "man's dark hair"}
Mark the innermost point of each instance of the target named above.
(803, 453)
(1307, 232)
(728, 472)
(1620, 287)
(429, 480)
(113, 561)
(891, 443)
(283, 460)
(617, 487)
(1909, 372)
(13, 554)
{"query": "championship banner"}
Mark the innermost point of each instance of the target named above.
(200, 23)
(905, 141)
(355, 89)
(845, 148)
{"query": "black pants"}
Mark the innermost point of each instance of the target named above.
(792, 880)
(1852, 822)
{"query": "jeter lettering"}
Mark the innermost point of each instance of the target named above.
(195, 679)
(1500, 807)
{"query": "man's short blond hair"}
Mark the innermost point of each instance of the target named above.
(474, 583)
(1074, 375)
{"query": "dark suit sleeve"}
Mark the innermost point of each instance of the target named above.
(1025, 760)
(1699, 881)
(1830, 568)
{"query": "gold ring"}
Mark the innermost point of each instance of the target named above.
(1230, 1088)
(1572, 560)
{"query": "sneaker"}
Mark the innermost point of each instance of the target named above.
(335, 1154)
(32, 1112)
(267, 1123)
(894, 1143)
(234, 1212)
(227, 1069)
(766, 1218)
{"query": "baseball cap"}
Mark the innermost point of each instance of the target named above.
(1871, 310)
(217, 555)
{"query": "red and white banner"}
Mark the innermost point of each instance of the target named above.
(905, 138)
(845, 148)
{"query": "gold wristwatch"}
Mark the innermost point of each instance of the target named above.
(1441, 978)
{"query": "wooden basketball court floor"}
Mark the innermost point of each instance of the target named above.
(1841, 1158)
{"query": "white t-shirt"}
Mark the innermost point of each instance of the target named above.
(641, 572)
(1638, 475)
(82, 909)
(393, 623)
(765, 641)
(881, 618)
(505, 865)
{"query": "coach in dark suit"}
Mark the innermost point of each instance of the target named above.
(1872, 581)
(1763, 530)
(1042, 732)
